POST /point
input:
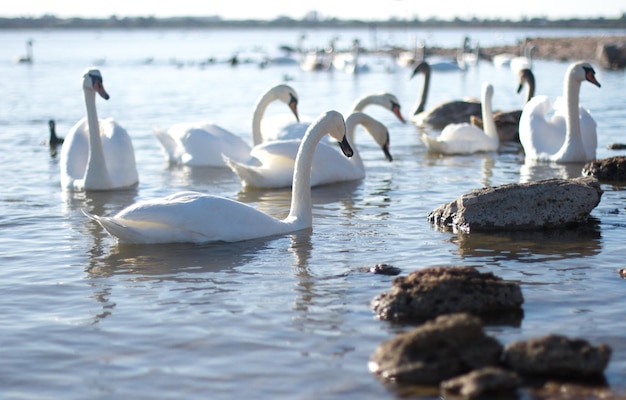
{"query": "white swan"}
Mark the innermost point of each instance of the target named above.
(465, 138)
(28, 57)
(507, 122)
(273, 162)
(449, 112)
(201, 218)
(277, 129)
(97, 154)
(560, 138)
(203, 143)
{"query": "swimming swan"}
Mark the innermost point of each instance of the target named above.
(449, 112)
(203, 143)
(201, 218)
(507, 122)
(272, 162)
(465, 138)
(561, 138)
(275, 129)
(97, 154)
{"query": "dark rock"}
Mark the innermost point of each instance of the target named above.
(612, 55)
(440, 349)
(382, 269)
(612, 169)
(616, 146)
(556, 356)
(550, 203)
(431, 292)
(478, 384)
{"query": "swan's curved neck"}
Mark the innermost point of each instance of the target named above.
(259, 111)
(301, 204)
(425, 87)
(489, 124)
(96, 174)
(573, 137)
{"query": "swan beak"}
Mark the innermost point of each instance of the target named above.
(519, 88)
(385, 148)
(395, 108)
(293, 105)
(345, 147)
(99, 87)
(591, 77)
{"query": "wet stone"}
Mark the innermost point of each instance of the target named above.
(557, 356)
(440, 349)
(494, 382)
(612, 169)
(550, 203)
(434, 291)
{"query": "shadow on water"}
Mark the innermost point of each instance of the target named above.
(533, 246)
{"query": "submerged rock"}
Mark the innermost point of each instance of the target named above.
(612, 169)
(440, 349)
(431, 292)
(550, 203)
(556, 356)
(495, 382)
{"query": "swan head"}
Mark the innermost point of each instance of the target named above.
(487, 91)
(526, 76)
(386, 100)
(92, 80)
(583, 71)
(421, 68)
(288, 95)
(336, 128)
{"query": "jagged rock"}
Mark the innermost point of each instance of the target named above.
(550, 203)
(612, 55)
(612, 169)
(488, 381)
(434, 291)
(440, 349)
(382, 269)
(556, 356)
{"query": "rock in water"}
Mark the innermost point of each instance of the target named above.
(550, 203)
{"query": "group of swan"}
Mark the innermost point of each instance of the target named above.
(98, 155)
(567, 135)
(199, 218)
(465, 138)
(273, 162)
(204, 143)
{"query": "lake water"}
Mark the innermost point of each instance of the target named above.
(286, 317)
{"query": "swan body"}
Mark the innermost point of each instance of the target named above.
(569, 135)
(450, 112)
(274, 130)
(203, 143)
(273, 162)
(97, 154)
(465, 138)
(201, 218)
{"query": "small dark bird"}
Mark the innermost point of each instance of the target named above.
(54, 141)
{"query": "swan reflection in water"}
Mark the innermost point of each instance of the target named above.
(538, 170)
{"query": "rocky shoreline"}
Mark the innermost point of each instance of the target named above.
(593, 49)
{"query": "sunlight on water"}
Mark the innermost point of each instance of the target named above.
(281, 317)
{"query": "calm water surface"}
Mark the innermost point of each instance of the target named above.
(285, 317)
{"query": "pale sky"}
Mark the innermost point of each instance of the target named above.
(343, 9)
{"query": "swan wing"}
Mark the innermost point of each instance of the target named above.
(541, 135)
(189, 217)
(74, 154)
(119, 154)
(202, 144)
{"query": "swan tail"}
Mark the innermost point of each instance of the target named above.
(246, 174)
(260, 177)
(168, 144)
(120, 231)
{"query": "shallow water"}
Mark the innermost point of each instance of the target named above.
(283, 317)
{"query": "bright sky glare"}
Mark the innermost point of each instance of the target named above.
(343, 9)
